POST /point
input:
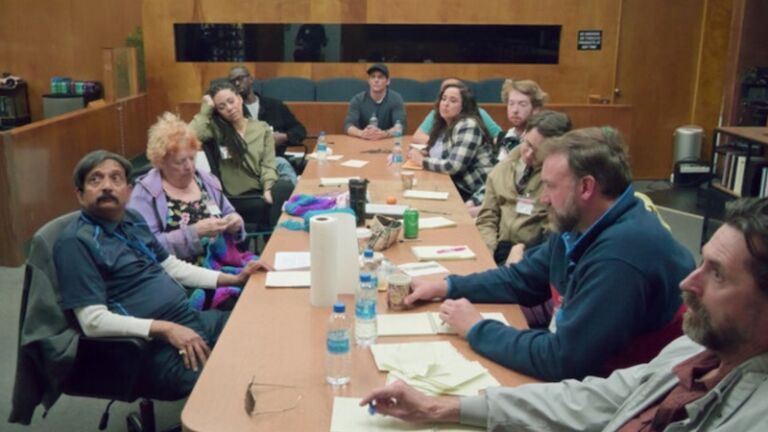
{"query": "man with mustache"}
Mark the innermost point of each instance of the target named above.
(118, 280)
(612, 271)
(715, 378)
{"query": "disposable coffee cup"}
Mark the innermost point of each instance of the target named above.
(408, 178)
(398, 287)
(363, 235)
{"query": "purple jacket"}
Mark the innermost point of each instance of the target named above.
(148, 199)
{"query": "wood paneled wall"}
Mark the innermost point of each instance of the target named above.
(579, 73)
(37, 160)
(40, 39)
(665, 56)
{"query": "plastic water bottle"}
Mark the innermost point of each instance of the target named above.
(321, 151)
(397, 149)
(371, 267)
(373, 121)
(365, 311)
(338, 357)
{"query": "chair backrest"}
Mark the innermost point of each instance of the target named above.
(257, 84)
(489, 90)
(339, 89)
(288, 89)
(409, 89)
(430, 90)
(41, 259)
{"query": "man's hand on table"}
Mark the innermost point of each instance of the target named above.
(460, 314)
(426, 290)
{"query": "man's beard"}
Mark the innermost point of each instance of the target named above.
(697, 325)
(568, 219)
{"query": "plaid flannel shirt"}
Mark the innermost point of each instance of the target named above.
(467, 158)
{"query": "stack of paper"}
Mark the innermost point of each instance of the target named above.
(432, 367)
(349, 416)
(425, 194)
(424, 323)
(454, 252)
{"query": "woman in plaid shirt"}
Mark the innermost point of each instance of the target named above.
(459, 144)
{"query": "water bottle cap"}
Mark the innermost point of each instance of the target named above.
(339, 308)
(368, 253)
(365, 277)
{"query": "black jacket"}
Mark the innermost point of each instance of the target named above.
(276, 114)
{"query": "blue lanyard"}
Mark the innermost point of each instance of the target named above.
(131, 242)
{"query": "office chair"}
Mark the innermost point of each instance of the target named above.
(54, 357)
(409, 89)
(489, 90)
(289, 89)
(339, 89)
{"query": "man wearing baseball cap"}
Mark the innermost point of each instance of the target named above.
(372, 114)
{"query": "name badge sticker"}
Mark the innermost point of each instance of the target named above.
(224, 152)
(524, 206)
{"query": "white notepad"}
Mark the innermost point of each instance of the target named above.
(355, 163)
(330, 157)
(435, 222)
(288, 279)
(349, 416)
(422, 268)
(395, 210)
(336, 181)
(292, 261)
(424, 194)
(450, 252)
(423, 323)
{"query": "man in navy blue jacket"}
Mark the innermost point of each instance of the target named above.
(612, 270)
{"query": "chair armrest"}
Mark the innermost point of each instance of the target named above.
(108, 367)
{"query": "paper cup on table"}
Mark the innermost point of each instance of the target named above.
(398, 287)
(363, 235)
(408, 178)
(333, 253)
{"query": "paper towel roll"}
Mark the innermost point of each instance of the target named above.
(333, 253)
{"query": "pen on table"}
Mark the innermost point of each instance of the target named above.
(451, 249)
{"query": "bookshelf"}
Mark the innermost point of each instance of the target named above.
(738, 167)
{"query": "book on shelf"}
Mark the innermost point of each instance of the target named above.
(753, 176)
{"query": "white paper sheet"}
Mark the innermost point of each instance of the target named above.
(355, 163)
(396, 210)
(292, 261)
(330, 157)
(421, 323)
(288, 279)
(450, 252)
(424, 194)
(435, 222)
(336, 181)
(422, 268)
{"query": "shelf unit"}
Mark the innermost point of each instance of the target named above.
(752, 142)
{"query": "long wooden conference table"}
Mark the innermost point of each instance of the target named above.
(275, 337)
